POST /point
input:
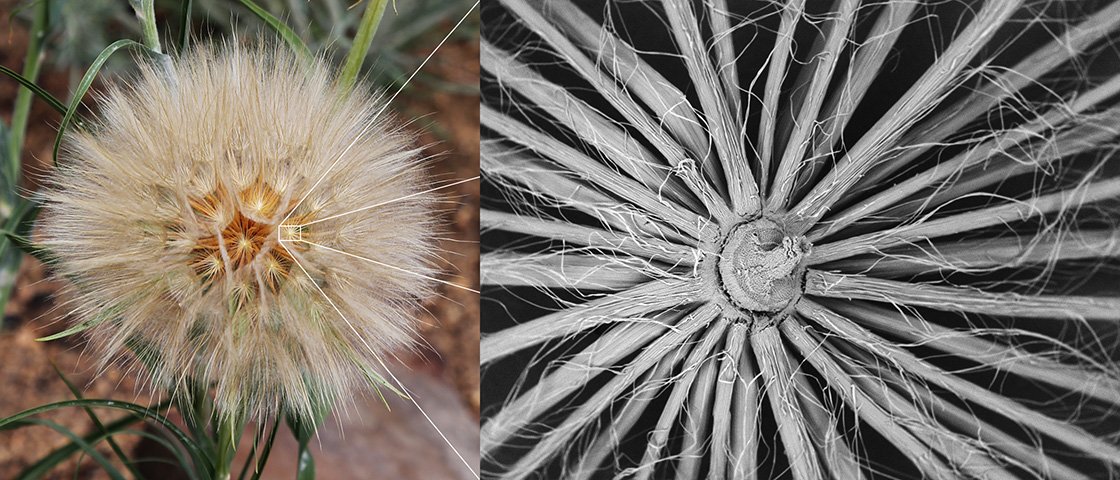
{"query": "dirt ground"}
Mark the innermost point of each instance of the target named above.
(378, 443)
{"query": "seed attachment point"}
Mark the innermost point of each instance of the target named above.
(291, 233)
(760, 267)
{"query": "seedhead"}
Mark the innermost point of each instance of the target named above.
(183, 220)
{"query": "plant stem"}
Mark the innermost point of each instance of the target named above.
(31, 64)
(228, 434)
(375, 9)
(146, 12)
(12, 206)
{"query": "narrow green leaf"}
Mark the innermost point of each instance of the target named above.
(378, 382)
(23, 218)
(25, 245)
(185, 26)
(375, 9)
(85, 447)
(97, 423)
(82, 326)
(37, 90)
(197, 454)
(51, 460)
(286, 33)
(79, 328)
(84, 85)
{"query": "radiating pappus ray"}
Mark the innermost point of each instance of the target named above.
(244, 224)
(801, 240)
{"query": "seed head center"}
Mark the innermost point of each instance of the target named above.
(760, 267)
(240, 235)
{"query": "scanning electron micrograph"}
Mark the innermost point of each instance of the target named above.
(833, 239)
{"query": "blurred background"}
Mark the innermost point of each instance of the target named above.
(440, 104)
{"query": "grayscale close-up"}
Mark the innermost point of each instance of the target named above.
(833, 239)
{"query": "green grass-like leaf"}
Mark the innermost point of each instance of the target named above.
(27, 246)
(79, 328)
(17, 231)
(185, 24)
(97, 423)
(85, 447)
(54, 458)
(35, 89)
(283, 30)
(375, 9)
(378, 382)
(84, 85)
(199, 457)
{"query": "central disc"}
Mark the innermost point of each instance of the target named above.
(760, 266)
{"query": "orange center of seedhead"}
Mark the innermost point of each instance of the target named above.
(241, 239)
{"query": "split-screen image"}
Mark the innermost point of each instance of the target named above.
(559, 239)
